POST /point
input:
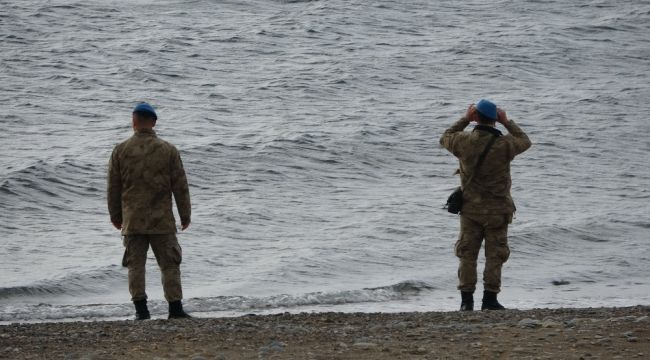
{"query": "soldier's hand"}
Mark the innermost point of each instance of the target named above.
(470, 114)
(501, 116)
(117, 225)
(185, 226)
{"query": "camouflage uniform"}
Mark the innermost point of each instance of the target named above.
(143, 174)
(487, 204)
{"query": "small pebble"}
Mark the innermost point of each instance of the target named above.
(530, 323)
(365, 345)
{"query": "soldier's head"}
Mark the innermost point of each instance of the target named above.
(144, 116)
(486, 112)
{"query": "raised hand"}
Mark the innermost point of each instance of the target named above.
(501, 116)
(470, 114)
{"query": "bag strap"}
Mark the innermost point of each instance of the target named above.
(482, 157)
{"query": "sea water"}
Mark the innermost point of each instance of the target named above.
(309, 132)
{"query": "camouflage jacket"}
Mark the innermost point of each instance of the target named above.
(143, 173)
(489, 189)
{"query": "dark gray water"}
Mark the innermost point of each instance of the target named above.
(309, 132)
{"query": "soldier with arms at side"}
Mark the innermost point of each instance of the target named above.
(144, 172)
(487, 204)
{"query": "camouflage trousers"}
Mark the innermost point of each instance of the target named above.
(473, 229)
(168, 255)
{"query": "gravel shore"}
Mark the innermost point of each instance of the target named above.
(599, 333)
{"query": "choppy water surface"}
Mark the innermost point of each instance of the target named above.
(309, 132)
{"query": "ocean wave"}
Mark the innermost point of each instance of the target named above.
(95, 281)
(397, 291)
(49, 185)
(235, 304)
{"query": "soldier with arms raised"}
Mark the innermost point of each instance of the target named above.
(487, 207)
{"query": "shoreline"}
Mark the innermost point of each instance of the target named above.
(569, 333)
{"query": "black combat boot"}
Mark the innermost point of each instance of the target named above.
(176, 311)
(490, 301)
(467, 302)
(141, 310)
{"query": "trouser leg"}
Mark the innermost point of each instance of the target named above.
(169, 256)
(467, 249)
(496, 251)
(135, 259)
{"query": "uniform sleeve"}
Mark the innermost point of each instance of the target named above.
(449, 138)
(114, 189)
(180, 188)
(520, 141)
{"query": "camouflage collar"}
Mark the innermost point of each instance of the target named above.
(489, 129)
(145, 132)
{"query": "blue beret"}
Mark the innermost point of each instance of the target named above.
(145, 108)
(487, 108)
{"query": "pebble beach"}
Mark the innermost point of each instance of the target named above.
(589, 333)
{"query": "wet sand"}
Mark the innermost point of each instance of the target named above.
(599, 333)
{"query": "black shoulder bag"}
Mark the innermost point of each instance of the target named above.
(455, 200)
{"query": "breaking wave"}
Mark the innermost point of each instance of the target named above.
(240, 305)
